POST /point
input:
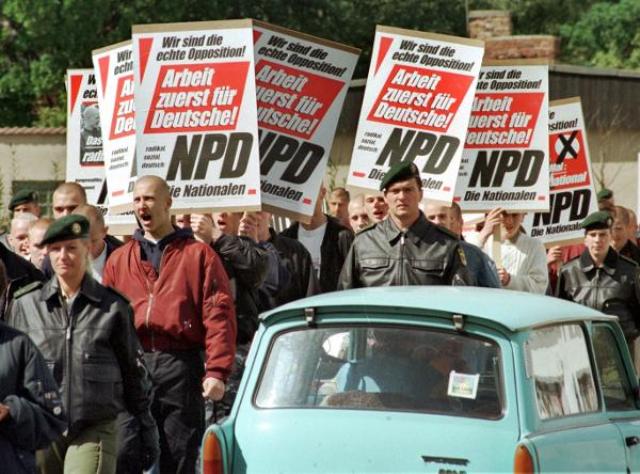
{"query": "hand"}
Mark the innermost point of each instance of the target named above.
(149, 441)
(202, 227)
(248, 226)
(4, 412)
(494, 218)
(554, 255)
(504, 276)
(213, 389)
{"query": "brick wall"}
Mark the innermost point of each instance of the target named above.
(484, 24)
(523, 47)
(494, 27)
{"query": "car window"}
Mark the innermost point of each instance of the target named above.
(383, 368)
(559, 364)
(615, 384)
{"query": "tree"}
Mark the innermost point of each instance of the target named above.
(607, 36)
(41, 39)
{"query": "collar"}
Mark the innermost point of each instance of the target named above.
(609, 265)
(90, 288)
(415, 233)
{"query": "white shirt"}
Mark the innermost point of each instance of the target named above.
(525, 260)
(312, 240)
(97, 265)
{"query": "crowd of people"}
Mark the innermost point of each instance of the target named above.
(127, 339)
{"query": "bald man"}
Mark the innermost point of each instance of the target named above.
(358, 217)
(66, 197)
(99, 247)
(183, 307)
(481, 268)
(36, 234)
(19, 234)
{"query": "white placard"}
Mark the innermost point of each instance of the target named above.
(416, 107)
(114, 77)
(85, 163)
(301, 84)
(505, 162)
(196, 123)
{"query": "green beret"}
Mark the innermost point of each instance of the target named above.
(22, 197)
(399, 172)
(73, 226)
(604, 193)
(597, 220)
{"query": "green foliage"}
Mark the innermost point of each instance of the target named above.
(41, 39)
(607, 36)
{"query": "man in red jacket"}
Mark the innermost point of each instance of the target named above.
(180, 294)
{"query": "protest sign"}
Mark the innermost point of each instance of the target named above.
(572, 190)
(85, 164)
(505, 160)
(415, 108)
(196, 118)
(114, 77)
(301, 84)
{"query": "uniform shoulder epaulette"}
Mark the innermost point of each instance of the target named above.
(23, 290)
(572, 259)
(117, 293)
(367, 229)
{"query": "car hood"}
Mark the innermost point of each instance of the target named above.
(329, 440)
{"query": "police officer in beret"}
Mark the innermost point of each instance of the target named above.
(601, 278)
(404, 248)
(85, 332)
(606, 201)
(25, 201)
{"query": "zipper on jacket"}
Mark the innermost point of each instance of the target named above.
(150, 287)
(67, 350)
(402, 271)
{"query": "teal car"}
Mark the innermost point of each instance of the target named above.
(445, 380)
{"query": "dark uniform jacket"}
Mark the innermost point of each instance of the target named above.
(28, 389)
(20, 273)
(333, 251)
(426, 254)
(91, 348)
(612, 289)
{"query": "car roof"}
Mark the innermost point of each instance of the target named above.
(514, 310)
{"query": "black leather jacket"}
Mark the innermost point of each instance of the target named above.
(612, 288)
(91, 348)
(426, 254)
(333, 251)
(28, 389)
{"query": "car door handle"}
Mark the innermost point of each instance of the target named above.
(631, 441)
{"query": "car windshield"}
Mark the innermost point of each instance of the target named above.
(384, 368)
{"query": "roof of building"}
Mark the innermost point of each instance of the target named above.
(21, 131)
(514, 310)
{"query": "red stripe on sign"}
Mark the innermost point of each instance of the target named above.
(256, 36)
(446, 188)
(358, 174)
(118, 193)
(457, 198)
(251, 191)
(306, 201)
(103, 65)
(542, 198)
(144, 45)
(75, 81)
(385, 44)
